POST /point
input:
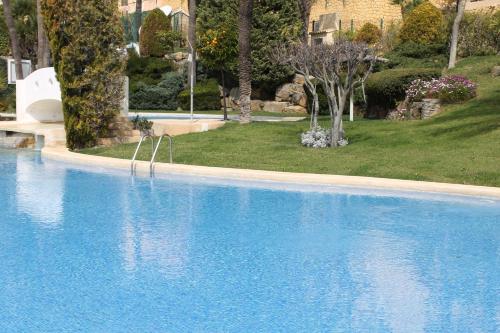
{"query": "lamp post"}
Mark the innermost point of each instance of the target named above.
(191, 79)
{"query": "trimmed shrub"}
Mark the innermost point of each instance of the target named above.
(154, 24)
(206, 96)
(424, 25)
(162, 96)
(149, 71)
(385, 89)
(413, 55)
(369, 34)
(479, 33)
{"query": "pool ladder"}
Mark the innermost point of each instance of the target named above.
(154, 151)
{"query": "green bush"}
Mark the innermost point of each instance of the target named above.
(385, 89)
(424, 25)
(4, 38)
(413, 55)
(206, 96)
(480, 33)
(155, 23)
(369, 33)
(7, 93)
(162, 96)
(147, 71)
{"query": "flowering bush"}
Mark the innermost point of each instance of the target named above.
(448, 89)
(316, 138)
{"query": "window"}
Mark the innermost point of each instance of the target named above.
(318, 41)
(124, 2)
(316, 26)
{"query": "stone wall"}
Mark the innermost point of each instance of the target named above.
(148, 5)
(359, 11)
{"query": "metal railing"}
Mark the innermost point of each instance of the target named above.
(154, 152)
(143, 138)
(170, 148)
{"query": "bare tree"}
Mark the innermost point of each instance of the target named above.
(192, 39)
(305, 7)
(455, 32)
(301, 57)
(340, 67)
(14, 39)
(43, 51)
(245, 61)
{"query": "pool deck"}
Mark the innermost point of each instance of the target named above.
(198, 116)
(55, 136)
(142, 168)
(53, 133)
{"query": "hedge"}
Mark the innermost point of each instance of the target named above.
(149, 71)
(385, 89)
(162, 96)
(206, 96)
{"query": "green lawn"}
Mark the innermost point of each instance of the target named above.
(461, 145)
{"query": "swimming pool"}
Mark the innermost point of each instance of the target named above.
(99, 251)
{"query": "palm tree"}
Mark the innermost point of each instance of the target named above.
(245, 61)
(14, 39)
(43, 52)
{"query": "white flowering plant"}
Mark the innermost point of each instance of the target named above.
(448, 89)
(320, 138)
(316, 138)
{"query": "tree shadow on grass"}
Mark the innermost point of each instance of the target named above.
(477, 117)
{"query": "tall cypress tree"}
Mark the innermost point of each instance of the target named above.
(86, 40)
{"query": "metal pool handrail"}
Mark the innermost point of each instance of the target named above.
(143, 138)
(171, 152)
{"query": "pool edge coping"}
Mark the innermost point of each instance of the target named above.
(142, 167)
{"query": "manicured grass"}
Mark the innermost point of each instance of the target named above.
(461, 145)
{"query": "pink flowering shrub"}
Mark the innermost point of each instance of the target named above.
(448, 89)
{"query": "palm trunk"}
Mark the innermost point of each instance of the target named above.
(14, 40)
(138, 19)
(192, 37)
(245, 61)
(43, 51)
(455, 32)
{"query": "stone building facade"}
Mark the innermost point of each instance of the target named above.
(328, 16)
(128, 6)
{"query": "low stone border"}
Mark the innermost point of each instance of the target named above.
(142, 168)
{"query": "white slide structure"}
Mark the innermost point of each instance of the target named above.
(38, 97)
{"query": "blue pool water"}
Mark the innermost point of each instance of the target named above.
(102, 252)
